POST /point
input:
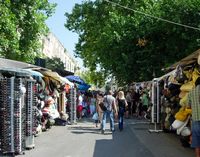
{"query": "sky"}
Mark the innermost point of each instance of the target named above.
(56, 25)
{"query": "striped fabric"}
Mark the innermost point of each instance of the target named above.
(194, 103)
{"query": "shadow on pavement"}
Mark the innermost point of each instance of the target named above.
(122, 144)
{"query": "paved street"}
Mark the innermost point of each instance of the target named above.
(84, 140)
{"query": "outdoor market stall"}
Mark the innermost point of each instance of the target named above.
(24, 92)
(171, 94)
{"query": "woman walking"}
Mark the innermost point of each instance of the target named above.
(121, 104)
(99, 100)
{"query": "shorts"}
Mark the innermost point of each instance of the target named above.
(195, 134)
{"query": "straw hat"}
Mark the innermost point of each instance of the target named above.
(183, 93)
(177, 124)
(186, 132)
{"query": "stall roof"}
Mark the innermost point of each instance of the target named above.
(63, 72)
(15, 72)
(192, 58)
(8, 63)
(164, 76)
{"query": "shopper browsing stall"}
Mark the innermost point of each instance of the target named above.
(194, 103)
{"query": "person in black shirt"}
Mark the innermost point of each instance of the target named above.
(121, 104)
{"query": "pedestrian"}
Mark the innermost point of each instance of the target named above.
(194, 103)
(80, 105)
(111, 111)
(122, 105)
(92, 104)
(95, 117)
(98, 108)
(145, 102)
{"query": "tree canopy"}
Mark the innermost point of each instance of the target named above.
(124, 41)
(22, 23)
(54, 63)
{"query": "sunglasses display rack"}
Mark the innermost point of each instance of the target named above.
(7, 116)
(73, 104)
(30, 103)
(19, 116)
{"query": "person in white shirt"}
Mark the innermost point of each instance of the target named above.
(111, 111)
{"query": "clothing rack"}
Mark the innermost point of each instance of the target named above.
(155, 109)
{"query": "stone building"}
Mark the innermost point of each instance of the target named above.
(52, 47)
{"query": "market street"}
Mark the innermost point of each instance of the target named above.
(85, 140)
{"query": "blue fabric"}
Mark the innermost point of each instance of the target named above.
(195, 134)
(121, 118)
(83, 87)
(76, 79)
(109, 114)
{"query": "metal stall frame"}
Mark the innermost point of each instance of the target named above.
(155, 114)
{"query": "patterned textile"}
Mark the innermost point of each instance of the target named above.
(194, 102)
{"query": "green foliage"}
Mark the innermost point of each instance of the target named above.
(95, 78)
(54, 63)
(132, 46)
(22, 23)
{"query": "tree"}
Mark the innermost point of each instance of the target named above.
(130, 45)
(95, 78)
(22, 24)
(54, 63)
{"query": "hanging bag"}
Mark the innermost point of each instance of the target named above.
(102, 106)
(95, 116)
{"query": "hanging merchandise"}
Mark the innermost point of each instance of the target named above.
(13, 116)
(179, 74)
(67, 88)
(198, 59)
(16, 119)
(182, 94)
(73, 104)
(183, 130)
(30, 122)
(7, 116)
(195, 75)
(183, 113)
(177, 124)
(183, 102)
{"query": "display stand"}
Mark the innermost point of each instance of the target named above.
(155, 110)
(73, 105)
(30, 103)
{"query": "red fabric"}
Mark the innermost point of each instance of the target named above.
(79, 108)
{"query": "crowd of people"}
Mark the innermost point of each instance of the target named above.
(114, 105)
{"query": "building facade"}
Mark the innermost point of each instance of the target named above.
(52, 47)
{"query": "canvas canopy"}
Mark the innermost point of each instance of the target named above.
(191, 59)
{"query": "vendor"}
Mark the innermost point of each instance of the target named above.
(50, 108)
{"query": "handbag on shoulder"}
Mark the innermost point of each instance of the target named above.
(102, 106)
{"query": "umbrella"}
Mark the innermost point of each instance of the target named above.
(76, 79)
(65, 80)
(83, 87)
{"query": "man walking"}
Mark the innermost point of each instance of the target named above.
(194, 103)
(109, 102)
